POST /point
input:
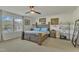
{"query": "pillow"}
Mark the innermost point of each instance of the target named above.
(36, 29)
(44, 29)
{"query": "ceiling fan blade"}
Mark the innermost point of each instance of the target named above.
(31, 6)
(36, 12)
(27, 12)
(32, 10)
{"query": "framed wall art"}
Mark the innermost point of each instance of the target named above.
(27, 22)
(54, 21)
(42, 20)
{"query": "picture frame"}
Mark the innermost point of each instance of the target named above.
(42, 20)
(54, 21)
(27, 22)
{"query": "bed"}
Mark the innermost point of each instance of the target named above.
(37, 35)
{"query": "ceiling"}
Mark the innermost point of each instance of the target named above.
(45, 10)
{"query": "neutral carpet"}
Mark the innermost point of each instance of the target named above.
(60, 44)
(18, 45)
(49, 45)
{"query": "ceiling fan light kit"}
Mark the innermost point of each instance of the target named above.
(32, 11)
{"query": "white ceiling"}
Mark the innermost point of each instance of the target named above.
(45, 10)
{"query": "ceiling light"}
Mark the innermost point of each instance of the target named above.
(32, 12)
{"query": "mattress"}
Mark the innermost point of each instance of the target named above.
(46, 32)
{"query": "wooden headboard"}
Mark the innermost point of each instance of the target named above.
(43, 26)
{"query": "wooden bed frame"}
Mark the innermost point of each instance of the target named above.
(41, 37)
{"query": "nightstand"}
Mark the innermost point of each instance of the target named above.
(53, 33)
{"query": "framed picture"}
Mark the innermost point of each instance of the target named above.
(27, 22)
(42, 20)
(54, 21)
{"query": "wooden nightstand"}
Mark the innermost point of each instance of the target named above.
(53, 33)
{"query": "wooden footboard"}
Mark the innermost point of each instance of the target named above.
(42, 38)
(35, 38)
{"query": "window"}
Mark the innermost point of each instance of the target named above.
(18, 24)
(7, 22)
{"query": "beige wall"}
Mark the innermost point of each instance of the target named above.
(76, 14)
(0, 23)
(28, 27)
(67, 17)
(63, 18)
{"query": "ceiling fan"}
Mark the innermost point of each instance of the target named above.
(32, 10)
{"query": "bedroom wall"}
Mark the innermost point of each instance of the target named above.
(12, 35)
(28, 27)
(63, 18)
(0, 36)
(76, 14)
(0, 23)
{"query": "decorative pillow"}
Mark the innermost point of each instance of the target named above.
(44, 29)
(36, 29)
